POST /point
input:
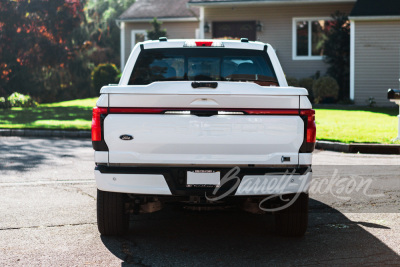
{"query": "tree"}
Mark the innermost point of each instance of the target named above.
(156, 32)
(337, 52)
(35, 38)
(102, 30)
(48, 48)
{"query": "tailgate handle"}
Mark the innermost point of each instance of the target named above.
(204, 84)
(204, 113)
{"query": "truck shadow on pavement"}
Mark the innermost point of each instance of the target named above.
(177, 237)
(24, 155)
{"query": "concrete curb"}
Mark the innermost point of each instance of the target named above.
(332, 146)
(45, 133)
(325, 145)
(358, 148)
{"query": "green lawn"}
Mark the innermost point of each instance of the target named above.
(350, 124)
(67, 115)
(357, 125)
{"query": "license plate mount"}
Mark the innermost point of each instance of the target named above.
(203, 178)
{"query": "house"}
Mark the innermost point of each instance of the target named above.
(375, 50)
(295, 28)
(180, 20)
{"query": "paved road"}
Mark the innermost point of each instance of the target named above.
(47, 205)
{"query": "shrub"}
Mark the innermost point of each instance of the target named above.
(292, 81)
(308, 84)
(325, 89)
(346, 101)
(4, 103)
(371, 101)
(20, 100)
(104, 74)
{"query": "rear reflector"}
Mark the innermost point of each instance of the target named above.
(96, 123)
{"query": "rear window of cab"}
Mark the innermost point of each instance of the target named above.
(203, 64)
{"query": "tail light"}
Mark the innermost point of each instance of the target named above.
(310, 131)
(272, 111)
(137, 110)
(97, 129)
(308, 117)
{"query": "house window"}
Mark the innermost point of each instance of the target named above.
(234, 30)
(138, 36)
(309, 35)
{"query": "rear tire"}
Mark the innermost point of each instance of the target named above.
(293, 220)
(111, 216)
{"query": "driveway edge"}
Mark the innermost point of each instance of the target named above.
(45, 133)
(358, 147)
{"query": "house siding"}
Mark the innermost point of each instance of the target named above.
(376, 60)
(175, 30)
(277, 23)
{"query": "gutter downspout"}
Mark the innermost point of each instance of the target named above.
(122, 38)
(352, 59)
(201, 24)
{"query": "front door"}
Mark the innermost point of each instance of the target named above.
(234, 30)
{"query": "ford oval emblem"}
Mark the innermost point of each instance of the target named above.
(126, 137)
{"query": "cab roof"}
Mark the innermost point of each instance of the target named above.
(202, 43)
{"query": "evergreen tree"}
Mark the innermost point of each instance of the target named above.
(156, 32)
(337, 52)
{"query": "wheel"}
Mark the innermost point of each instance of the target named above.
(293, 220)
(111, 216)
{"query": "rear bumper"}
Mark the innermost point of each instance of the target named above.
(152, 184)
(172, 181)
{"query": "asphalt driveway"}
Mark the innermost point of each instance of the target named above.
(48, 199)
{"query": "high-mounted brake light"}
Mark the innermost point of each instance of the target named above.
(96, 123)
(203, 43)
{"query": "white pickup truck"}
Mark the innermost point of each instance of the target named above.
(207, 124)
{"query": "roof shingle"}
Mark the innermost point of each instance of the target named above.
(265, 1)
(148, 9)
(376, 8)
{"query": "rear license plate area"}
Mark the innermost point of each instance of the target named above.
(203, 178)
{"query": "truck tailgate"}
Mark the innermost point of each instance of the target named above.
(196, 140)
